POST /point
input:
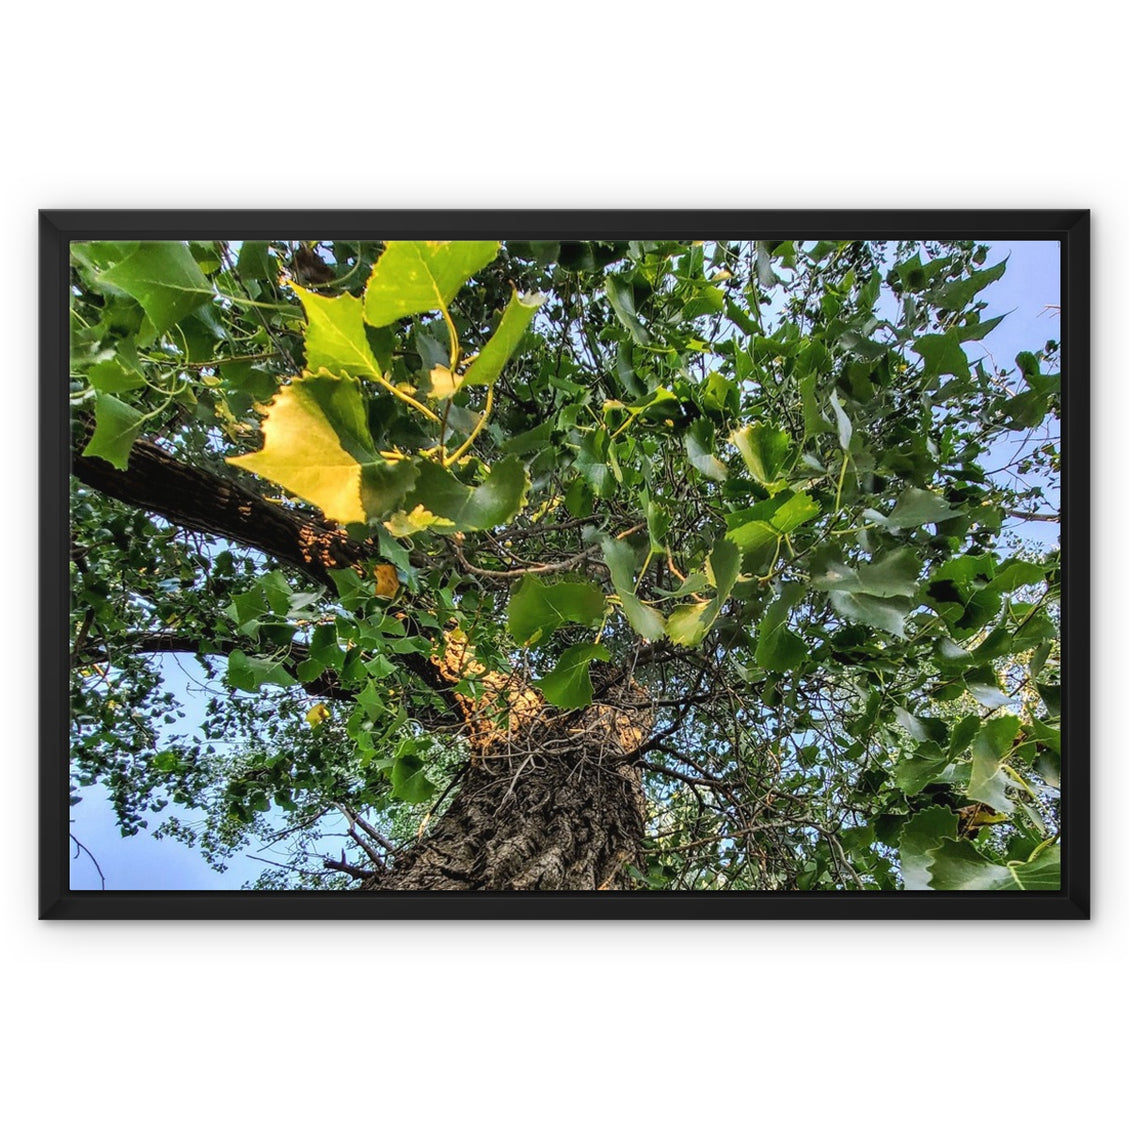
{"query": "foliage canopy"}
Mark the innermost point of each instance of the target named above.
(392, 494)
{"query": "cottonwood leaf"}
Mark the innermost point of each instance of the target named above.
(116, 426)
(316, 444)
(922, 833)
(780, 649)
(409, 780)
(885, 614)
(487, 366)
(622, 297)
(417, 276)
(958, 865)
(699, 450)
(689, 624)
(248, 673)
(440, 501)
(645, 620)
(987, 781)
(919, 507)
(569, 686)
(765, 449)
(164, 278)
(537, 609)
(335, 335)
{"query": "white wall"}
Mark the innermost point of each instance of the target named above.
(725, 105)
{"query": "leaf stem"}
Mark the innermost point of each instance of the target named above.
(452, 459)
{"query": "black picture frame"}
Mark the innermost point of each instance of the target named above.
(1071, 228)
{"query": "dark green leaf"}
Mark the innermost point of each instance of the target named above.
(116, 426)
(537, 609)
(165, 279)
(992, 744)
(921, 834)
(409, 780)
(569, 686)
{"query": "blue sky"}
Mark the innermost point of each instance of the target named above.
(1027, 293)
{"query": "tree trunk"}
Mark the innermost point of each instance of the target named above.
(556, 804)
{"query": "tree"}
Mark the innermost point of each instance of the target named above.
(580, 565)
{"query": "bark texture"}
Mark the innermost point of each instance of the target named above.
(555, 805)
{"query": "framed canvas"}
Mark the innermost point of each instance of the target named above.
(565, 564)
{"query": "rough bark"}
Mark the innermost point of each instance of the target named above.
(557, 805)
(193, 498)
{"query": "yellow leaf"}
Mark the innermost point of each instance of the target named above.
(317, 715)
(444, 383)
(387, 582)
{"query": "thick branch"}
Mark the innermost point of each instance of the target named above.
(194, 498)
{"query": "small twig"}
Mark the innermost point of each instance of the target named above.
(512, 573)
(78, 847)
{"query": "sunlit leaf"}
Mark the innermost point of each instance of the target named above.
(487, 366)
(417, 276)
(689, 624)
(335, 335)
(440, 501)
(766, 450)
(317, 445)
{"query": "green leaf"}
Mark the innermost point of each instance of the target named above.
(885, 614)
(487, 366)
(922, 765)
(248, 673)
(957, 295)
(958, 865)
(622, 297)
(942, 354)
(317, 445)
(113, 376)
(254, 260)
(978, 330)
(324, 648)
(894, 574)
(778, 648)
(842, 422)
(335, 335)
(164, 278)
(988, 781)
(277, 592)
(116, 426)
(765, 450)
(409, 780)
(689, 624)
(537, 609)
(620, 558)
(921, 834)
(568, 686)
(919, 507)
(440, 501)
(417, 276)
(699, 450)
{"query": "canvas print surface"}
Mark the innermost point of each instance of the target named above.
(622, 565)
